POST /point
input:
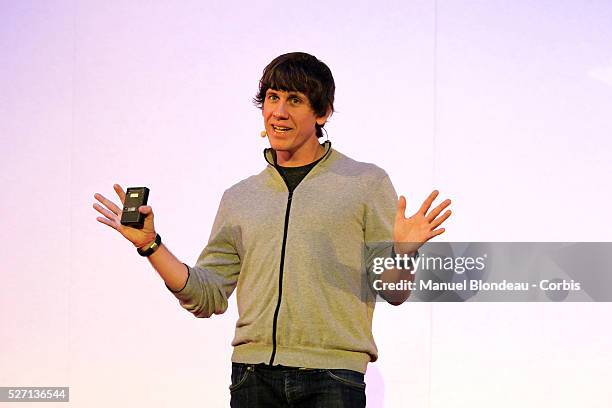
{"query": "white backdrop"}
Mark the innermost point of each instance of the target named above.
(505, 107)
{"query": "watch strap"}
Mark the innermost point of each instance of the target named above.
(147, 250)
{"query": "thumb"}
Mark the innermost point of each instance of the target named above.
(401, 207)
(145, 209)
(148, 213)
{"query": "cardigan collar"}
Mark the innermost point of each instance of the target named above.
(270, 154)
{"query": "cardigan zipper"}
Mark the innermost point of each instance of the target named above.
(280, 278)
(282, 260)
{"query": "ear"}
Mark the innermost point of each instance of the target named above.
(322, 119)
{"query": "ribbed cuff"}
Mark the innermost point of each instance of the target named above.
(178, 291)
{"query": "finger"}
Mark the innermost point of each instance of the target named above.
(105, 212)
(427, 203)
(148, 221)
(436, 223)
(435, 233)
(108, 203)
(401, 208)
(147, 210)
(106, 221)
(119, 192)
(436, 211)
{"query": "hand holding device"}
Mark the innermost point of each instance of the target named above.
(113, 217)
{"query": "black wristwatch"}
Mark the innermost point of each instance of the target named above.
(147, 250)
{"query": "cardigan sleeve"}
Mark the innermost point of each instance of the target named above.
(213, 278)
(381, 204)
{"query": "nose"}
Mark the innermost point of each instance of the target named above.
(280, 111)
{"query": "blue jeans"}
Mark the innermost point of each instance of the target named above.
(259, 385)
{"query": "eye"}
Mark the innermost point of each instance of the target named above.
(295, 100)
(272, 97)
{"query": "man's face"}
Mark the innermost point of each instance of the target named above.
(289, 119)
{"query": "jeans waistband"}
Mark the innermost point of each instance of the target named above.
(264, 366)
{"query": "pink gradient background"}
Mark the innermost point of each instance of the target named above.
(505, 107)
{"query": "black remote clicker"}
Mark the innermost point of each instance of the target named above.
(134, 198)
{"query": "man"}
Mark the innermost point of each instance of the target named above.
(291, 240)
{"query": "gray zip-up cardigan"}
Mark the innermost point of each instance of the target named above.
(297, 262)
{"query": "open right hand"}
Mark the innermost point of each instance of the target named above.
(112, 218)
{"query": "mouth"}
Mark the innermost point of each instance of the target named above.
(281, 129)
